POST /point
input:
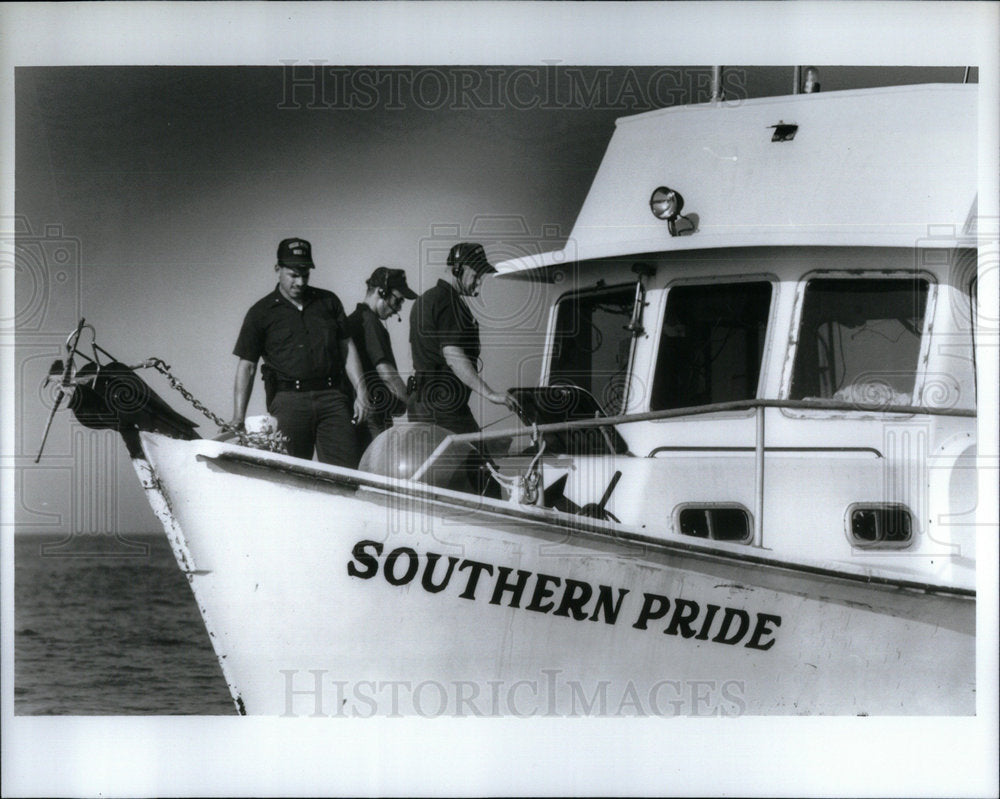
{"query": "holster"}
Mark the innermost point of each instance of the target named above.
(267, 374)
(440, 389)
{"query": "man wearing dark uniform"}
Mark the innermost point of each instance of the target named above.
(444, 338)
(301, 333)
(387, 290)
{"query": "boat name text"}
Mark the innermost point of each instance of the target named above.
(578, 600)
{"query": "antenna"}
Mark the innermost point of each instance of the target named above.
(716, 84)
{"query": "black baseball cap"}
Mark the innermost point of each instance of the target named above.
(390, 279)
(295, 254)
(472, 255)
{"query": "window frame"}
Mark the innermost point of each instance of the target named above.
(710, 506)
(926, 332)
(972, 290)
(867, 546)
(545, 379)
(694, 282)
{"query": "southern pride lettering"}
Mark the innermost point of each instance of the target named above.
(578, 600)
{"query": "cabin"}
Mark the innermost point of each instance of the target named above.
(772, 302)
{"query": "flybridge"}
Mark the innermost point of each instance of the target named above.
(872, 167)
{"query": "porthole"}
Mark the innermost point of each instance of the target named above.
(716, 522)
(879, 525)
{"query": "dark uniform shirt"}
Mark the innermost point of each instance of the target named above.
(441, 318)
(297, 345)
(374, 347)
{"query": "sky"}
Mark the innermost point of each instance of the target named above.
(152, 199)
(150, 196)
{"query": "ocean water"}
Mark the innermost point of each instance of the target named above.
(108, 625)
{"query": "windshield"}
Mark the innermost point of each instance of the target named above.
(591, 348)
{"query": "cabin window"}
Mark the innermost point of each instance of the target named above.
(591, 348)
(717, 523)
(711, 344)
(859, 340)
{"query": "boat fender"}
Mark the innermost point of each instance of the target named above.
(399, 451)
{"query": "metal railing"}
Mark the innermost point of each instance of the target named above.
(759, 406)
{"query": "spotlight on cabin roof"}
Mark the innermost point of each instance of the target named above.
(666, 203)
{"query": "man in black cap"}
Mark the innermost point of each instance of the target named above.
(301, 333)
(444, 337)
(387, 290)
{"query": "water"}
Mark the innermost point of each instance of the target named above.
(106, 625)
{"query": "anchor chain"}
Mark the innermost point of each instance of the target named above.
(274, 442)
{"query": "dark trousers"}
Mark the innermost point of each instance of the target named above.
(319, 420)
(475, 475)
(454, 420)
(375, 422)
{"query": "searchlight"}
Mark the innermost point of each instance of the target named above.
(667, 204)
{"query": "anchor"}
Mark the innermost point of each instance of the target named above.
(109, 395)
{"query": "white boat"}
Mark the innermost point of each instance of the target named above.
(750, 483)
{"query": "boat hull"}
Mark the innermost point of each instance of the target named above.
(329, 592)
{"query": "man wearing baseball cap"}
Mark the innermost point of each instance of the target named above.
(444, 338)
(301, 334)
(387, 290)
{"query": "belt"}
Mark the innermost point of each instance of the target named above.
(313, 384)
(421, 377)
